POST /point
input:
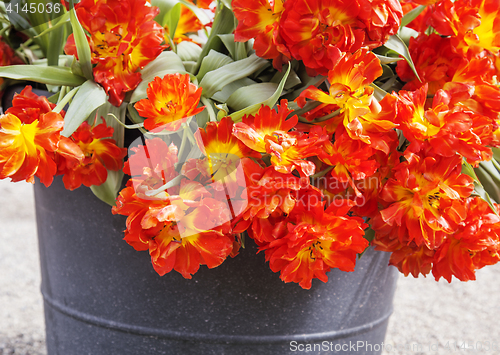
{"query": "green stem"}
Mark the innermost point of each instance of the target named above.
(211, 112)
(321, 173)
(176, 180)
(304, 120)
(191, 137)
(183, 141)
(131, 126)
(327, 117)
(495, 164)
(173, 47)
(3, 30)
(308, 107)
(62, 93)
(64, 101)
(134, 117)
(162, 133)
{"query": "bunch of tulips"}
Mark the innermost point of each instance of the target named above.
(316, 128)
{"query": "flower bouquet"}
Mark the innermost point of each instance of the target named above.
(316, 128)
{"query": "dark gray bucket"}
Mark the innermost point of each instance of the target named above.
(103, 297)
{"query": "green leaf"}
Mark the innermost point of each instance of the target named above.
(117, 122)
(214, 60)
(54, 98)
(223, 24)
(237, 116)
(46, 75)
(215, 80)
(412, 15)
(467, 169)
(481, 192)
(38, 21)
(64, 101)
(188, 51)
(479, 188)
(82, 45)
(378, 93)
(306, 81)
(369, 236)
(202, 118)
(493, 181)
(190, 66)
(37, 18)
(491, 169)
(490, 182)
(228, 40)
(64, 19)
(134, 116)
(63, 61)
(241, 50)
(292, 80)
(223, 111)
(229, 89)
(20, 23)
(406, 33)
(167, 5)
(387, 73)
(165, 63)
(172, 19)
(76, 67)
(495, 163)
(227, 3)
(496, 153)
(164, 6)
(57, 39)
(387, 60)
(251, 95)
(89, 97)
(210, 108)
(389, 84)
(200, 14)
(108, 191)
(397, 45)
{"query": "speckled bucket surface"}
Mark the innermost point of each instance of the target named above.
(103, 297)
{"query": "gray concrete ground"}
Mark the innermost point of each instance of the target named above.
(429, 317)
(21, 308)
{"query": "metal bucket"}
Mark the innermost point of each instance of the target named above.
(103, 297)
